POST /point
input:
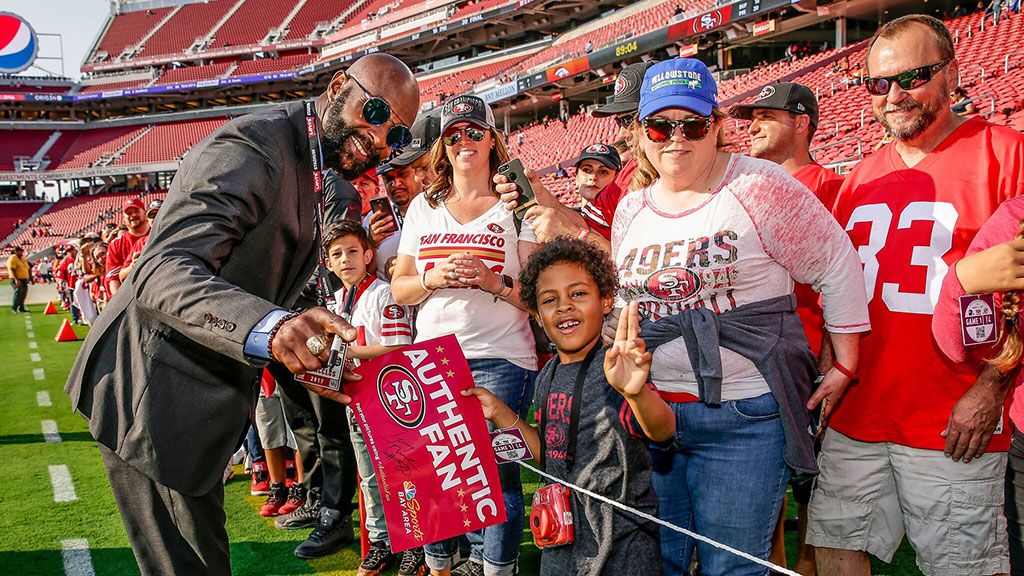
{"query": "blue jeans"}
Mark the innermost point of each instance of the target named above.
(497, 547)
(723, 477)
(253, 445)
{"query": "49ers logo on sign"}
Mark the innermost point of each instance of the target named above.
(402, 396)
(673, 284)
(706, 22)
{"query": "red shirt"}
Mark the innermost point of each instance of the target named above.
(607, 201)
(825, 184)
(1003, 226)
(67, 271)
(909, 225)
(121, 252)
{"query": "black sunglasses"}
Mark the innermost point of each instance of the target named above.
(453, 135)
(377, 111)
(907, 80)
(661, 129)
(624, 121)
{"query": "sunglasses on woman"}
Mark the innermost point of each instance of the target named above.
(661, 129)
(453, 135)
(907, 80)
(624, 121)
(377, 111)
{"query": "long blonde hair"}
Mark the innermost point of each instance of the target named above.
(1012, 348)
(441, 187)
(646, 174)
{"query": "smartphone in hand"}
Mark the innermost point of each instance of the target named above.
(382, 205)
(514, 171)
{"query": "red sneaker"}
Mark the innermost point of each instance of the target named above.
(291, 473)
(278, 497)
(296, 498)
(260, 479)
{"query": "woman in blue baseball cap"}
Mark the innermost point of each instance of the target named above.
(709, 244)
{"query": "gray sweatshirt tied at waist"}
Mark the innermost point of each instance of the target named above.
(769, 334)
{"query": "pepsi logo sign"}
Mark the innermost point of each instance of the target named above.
(495, 228)
(673, 284)
(394, 312)
(402, 396)
(706, 22)
(766, 92)
(462, 108)
(620, 85)
(18, 43)
(597, 149)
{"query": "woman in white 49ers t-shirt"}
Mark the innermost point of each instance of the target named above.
(458, 260)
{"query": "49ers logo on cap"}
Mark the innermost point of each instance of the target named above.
(394, 312)
(402, 396)
(706, 22)
(673, 284)
(620, 85)
(462, 108)
(766, 92)
(597, 149)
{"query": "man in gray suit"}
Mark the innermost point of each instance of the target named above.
(168, 376)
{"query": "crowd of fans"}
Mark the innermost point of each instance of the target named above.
(740, 352)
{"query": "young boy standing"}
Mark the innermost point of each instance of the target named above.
(382, 326)
(569, 285)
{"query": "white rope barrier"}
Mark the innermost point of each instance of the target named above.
(659, 521)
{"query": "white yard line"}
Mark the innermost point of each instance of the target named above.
(50, 433)
(43, 398)
(35, 357)
(63, 487)
(38, 373)
(32, 346)
(31, 334)
(77, 560)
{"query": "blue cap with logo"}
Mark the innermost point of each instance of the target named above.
(678, 83)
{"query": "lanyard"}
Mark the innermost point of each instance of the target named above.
(353, 294)
(574, 412)
(324, 294)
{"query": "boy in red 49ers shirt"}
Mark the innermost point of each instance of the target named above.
(904, 453)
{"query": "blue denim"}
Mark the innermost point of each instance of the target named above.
(723, 477)
(253, 446)
(497, 547)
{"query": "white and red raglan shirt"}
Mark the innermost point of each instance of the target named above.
(746, 242)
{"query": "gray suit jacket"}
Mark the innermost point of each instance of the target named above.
(162, 377)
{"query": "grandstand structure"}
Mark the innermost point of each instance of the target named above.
(162, 75)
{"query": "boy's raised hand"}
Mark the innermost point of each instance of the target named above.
(627, 363)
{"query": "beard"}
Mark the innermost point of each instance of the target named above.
(913, 128)
(336, 137)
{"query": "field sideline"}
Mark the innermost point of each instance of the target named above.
(50, 454)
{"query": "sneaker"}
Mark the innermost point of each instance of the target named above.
(469, 568)
(305, 516)
(377, 560)
(296, 498)
(260, 479)
(332, 533)
(278, 497)
(413, 563)
(290, 473)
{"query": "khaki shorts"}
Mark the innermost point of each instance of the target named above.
(869, 495)
(271, 424)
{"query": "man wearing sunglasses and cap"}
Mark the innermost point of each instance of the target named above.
(166, 376)
(122, 251)
(918, 445)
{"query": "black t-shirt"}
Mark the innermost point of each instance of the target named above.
(612, 459)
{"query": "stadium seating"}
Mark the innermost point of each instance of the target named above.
(268, 65)
(312, 13)
(547, 144)
(91, 145)
(193, 73)
(251, 23)
(191, 22)
(20, 143)
(13, 212)
(167, 142)
(127, 29)
(451, 82)
(122, 85)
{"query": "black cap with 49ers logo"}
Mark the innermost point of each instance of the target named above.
(790, 96)
(466, 109)
(627, 91)
(602, 153)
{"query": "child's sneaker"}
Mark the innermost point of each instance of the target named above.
(260, 479)
(378, 559)
(278, 497)
(296, 498)
(413, 563)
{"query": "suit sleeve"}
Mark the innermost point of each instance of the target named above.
(222, 191)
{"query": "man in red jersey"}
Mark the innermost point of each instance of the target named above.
(122, 251)
(918, 444)
(783, 120)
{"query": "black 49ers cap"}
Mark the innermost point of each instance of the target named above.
(789, 96)
(627, 91)
(602, 153)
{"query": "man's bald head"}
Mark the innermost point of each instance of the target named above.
(388, 77)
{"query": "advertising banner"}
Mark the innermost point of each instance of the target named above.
(429, 445)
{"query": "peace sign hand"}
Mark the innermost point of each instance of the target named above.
(627, 363)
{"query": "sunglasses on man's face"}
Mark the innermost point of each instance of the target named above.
(624, 121)
(907, 80)
(377, 111)
(661, 129)
(453, 135)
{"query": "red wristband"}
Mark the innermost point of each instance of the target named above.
(844, 370)
(582, 234)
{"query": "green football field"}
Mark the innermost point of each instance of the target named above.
(49, 456)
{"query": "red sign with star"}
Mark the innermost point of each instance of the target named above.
(429, 445)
